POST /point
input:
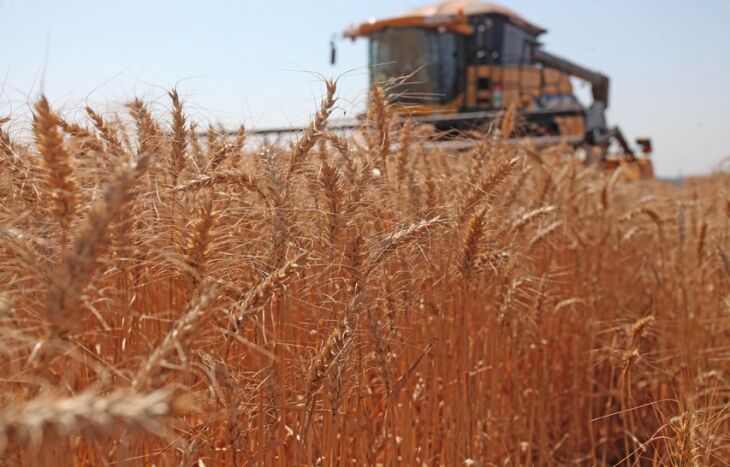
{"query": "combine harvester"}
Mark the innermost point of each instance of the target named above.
(458, 65)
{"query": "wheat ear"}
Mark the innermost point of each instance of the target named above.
(87, 413)
(57, 163)
(79, 264)
(178, 144)
(183, 328)
(315, 130)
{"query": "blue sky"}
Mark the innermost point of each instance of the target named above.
(257, 62)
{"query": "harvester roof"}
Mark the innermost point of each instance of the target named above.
(451, 14)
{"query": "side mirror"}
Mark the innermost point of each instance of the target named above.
(645, 144)
(333, 52)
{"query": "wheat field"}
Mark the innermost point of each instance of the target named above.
(172, 299)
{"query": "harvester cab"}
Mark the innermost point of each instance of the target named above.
(459, 64)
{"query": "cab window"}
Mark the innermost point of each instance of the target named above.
(516, 45)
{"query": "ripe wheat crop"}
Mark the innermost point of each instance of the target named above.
(173, 299)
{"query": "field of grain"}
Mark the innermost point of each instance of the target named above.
(170, 299)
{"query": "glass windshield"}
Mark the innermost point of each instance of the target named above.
(516, 46)
(417, 65)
